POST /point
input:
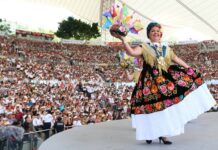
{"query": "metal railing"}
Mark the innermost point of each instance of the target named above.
(30, 141)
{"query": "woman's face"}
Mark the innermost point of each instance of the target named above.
(155, 34)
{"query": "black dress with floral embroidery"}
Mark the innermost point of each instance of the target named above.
(157, 90)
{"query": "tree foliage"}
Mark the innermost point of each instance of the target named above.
(73, 28)
(5, 27)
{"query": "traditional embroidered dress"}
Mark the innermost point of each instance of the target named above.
(136, 75)
(166, 96)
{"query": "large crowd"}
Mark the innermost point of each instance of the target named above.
(43, 83)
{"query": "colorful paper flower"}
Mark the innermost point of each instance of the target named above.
(107, 14)
(118, 14)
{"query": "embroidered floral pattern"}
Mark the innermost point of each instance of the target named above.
(155, 72)
(163, 89)
(155, 91)
(170, 86)
(146, 91)
(168, 102)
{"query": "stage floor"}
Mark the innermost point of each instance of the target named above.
(200, 134)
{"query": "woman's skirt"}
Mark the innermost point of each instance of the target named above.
(171, 121)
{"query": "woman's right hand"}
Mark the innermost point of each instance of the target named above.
(117, 35)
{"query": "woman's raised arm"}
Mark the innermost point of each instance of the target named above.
(135, 52)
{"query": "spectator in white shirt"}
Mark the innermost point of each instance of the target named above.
(77, 122)
(47, 120)
(2, 109)
(37, 123)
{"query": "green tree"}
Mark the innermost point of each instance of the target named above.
(74, 28)
(5, 27)
(93, 30)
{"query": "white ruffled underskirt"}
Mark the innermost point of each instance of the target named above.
(133, 121)
(171, 121)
